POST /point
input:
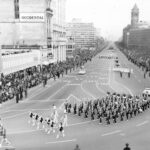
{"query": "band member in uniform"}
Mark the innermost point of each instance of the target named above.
(75, 109)
(100, 117)
(36, 119)
(45, 125)
(4, 139)
(30, 117)
(60, 130)
(51, 129)
(86, 113)
(40, 121)
(92, 114)
(65, 119)
(66, 105)
(48, 126)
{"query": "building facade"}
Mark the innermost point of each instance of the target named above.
(83, 33)
(136, 34)
(34, 24)
(59, 29)
(25, 22)
(70, 46)
(16, 62)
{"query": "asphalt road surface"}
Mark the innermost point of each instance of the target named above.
(90, 135)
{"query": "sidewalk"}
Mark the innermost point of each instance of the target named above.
(9, 103)
(12, 102)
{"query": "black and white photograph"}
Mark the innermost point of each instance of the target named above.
(74, 75)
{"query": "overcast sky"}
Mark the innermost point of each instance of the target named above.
(109, 15)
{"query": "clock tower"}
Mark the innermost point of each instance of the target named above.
(134, 16)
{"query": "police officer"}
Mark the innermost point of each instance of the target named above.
(127, 147)
(129, 73)
(77, 147)
(17, 95)
(75, 109)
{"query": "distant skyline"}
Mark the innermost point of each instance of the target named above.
(109, 15)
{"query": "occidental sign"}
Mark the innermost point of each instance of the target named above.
(32, 17)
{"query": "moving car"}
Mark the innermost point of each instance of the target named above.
(146, 92)
(82, 71)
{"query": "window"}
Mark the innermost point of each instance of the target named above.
(69, 46)
(16, 6)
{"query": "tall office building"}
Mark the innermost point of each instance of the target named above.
(83, 33)
(59, 29)
(70, 47)
(38, 24)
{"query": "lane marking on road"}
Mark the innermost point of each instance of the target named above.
(41, 101)
(79, 100)
(122, 134)
(122, 85)
(71, 95)
(61, 107)
(137, 78)
(41, 91)
(25, 110)
(143, 123)
(72, 77)
(29, 131)
(80, 123)
(57, 91)
(21, 132)
(109, 74)
(125, 87)
(74, 84)
(91, 95)
(14, 116)
(110, 133)
(66, 141)
(100, 89)
(11, 111)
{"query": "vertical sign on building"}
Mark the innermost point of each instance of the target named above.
(32, 17)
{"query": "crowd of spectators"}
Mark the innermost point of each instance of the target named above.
(139, 57)
(114, 107)
(16, 85)
(139, 61)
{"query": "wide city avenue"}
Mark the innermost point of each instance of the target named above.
(100, 81)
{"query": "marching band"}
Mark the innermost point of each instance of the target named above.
(51, 123)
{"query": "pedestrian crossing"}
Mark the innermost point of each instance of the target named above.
(89, 79)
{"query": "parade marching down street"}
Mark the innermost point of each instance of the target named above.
(77, 109)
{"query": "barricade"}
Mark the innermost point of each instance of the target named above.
(125, 70)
